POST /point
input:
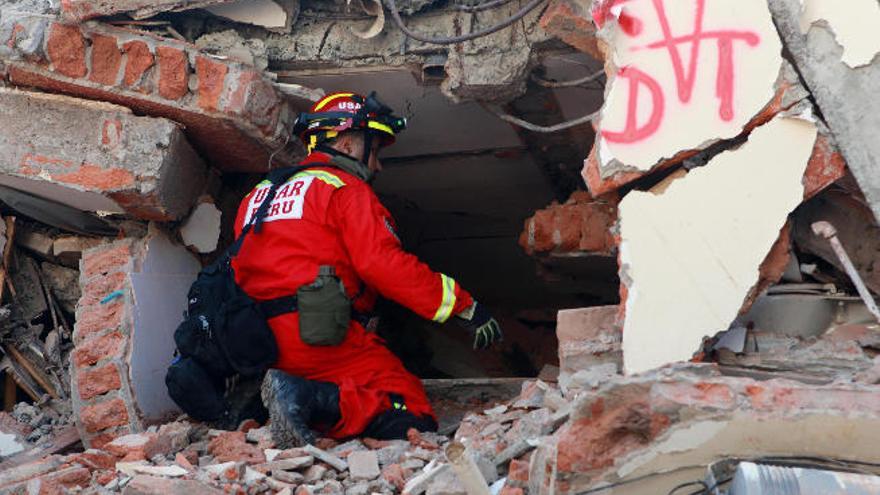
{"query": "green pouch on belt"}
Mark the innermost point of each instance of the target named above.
(324, 309)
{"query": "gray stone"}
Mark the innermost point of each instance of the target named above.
(350, 446)
(288, 477)
(392, 453)
(154, 485)
(361, 488)
(363, 465)
(446, 483)
(330, 487)
(315, 473)
(292, 464)
(64, 284)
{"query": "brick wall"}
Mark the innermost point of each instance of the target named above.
(231, 112)
(99, 367)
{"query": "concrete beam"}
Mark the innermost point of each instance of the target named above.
(654, 431)
(96, 156)
(491, 68)
(81, 10)
(821, 46)
(231, 113)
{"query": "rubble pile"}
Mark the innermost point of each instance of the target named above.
(183, 456)
(40, 288)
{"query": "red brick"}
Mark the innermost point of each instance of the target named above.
(66, 47)
(595, 441)
(61, 481)
(106, 59)
(137, 60)
(103, 415)
(101, 440)
(581, 224)
(106, 259)
(95, 382)
(98, 318)
(396, 475)
(95, 459)
(518, 474)
(254, 98)
(98, 288)
(92, 351)
(825, 167)
(772, 268)
(173, 72)
(138, 446)
(570, 22)
(232, 446)
(95, 177)
(211, 78)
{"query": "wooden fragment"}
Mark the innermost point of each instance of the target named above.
(32, 370)
(7, 250)
(10, 390)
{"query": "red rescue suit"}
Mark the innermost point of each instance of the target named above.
(326, 216)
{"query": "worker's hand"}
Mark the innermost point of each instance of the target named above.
(477, 319)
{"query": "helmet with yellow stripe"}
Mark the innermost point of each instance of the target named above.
(344, 111)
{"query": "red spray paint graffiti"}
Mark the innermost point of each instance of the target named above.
(686, 78)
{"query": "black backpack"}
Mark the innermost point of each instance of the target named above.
(224, 330)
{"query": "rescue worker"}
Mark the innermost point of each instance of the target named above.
(326, 235)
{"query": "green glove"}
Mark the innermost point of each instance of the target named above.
(485, 329)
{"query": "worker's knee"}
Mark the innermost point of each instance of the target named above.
(194, 390)
(395, 422)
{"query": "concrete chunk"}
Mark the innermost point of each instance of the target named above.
(363, 465)
(690, 254)
(109, 159)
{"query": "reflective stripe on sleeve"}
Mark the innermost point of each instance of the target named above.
(448, 302)
(323, 176)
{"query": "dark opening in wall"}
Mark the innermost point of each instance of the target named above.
(460, 183)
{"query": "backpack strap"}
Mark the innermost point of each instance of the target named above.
(276, 177)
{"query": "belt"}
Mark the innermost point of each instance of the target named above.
(288, 304)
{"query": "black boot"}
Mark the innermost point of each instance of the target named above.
(294, 403)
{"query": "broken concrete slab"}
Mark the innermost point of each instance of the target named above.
(690, 255)
(231, 112)
(661, 81)
(690, 415)
(844, 95)
(110, 160)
